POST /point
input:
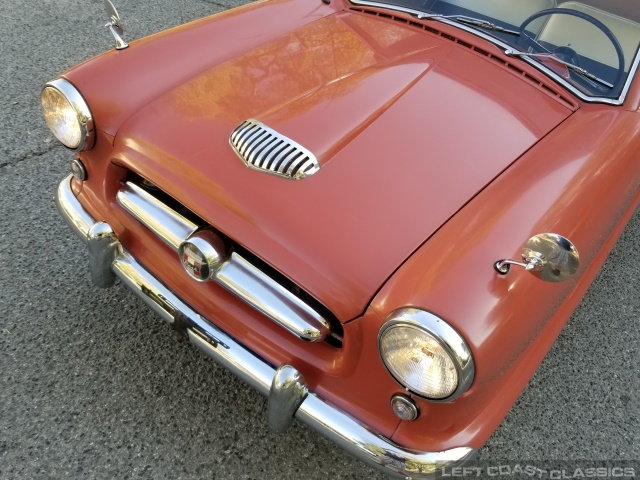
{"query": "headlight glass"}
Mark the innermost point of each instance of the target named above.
(425, 355)
(67, 115)
(419, 360)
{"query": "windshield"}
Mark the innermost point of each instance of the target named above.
(592, 45)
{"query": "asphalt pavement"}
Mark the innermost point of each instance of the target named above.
(94, 385)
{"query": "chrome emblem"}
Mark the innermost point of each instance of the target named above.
(202, 255)
(264, 149)
(193, 261)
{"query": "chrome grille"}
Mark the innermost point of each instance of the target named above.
(264, 149)
(237, 274)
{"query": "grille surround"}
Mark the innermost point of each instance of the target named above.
(262, 148)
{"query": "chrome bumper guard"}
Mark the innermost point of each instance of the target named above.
(285, 387)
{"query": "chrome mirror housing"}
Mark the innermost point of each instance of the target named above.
(114, 25)
(548, 256)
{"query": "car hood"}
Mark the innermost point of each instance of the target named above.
(408, 126)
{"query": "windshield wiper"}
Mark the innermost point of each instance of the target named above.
(476, 22)
(568, 65)
(482, 24)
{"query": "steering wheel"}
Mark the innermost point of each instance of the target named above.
(594, 21)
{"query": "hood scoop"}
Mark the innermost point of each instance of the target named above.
(262, 148)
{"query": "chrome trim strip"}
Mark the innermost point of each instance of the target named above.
(327, 419)
(171, 227)
(272, 299)
(534, 63)
(257, 145)
(236, 274)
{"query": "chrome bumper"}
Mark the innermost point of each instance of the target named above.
(284, 385)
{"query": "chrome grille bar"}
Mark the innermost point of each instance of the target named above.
(237, 275)
(272, 299)
(266, 150)
(171, 227)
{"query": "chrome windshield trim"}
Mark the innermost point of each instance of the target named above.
(505, 46)
(326, 418)
(237, 274)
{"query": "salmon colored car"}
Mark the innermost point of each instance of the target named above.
(378, 214)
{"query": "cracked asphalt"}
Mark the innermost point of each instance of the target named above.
(93, 385)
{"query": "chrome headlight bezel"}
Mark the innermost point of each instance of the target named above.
(446, 336)
(82, 113)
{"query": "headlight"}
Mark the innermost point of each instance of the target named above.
(67, 115)
(425, 355)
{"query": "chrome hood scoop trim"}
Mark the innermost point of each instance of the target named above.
(265, 150)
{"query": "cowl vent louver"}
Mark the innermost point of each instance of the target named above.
(264, 149)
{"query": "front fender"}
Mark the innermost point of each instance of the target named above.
(581, 181)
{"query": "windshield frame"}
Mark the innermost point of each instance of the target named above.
(619, 100)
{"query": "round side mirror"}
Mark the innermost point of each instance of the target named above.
(554, 257)
(548, 256)
(114, 18)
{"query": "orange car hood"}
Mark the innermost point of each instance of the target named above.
(407, 126)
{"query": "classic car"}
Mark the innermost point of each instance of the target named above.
(378, 214)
